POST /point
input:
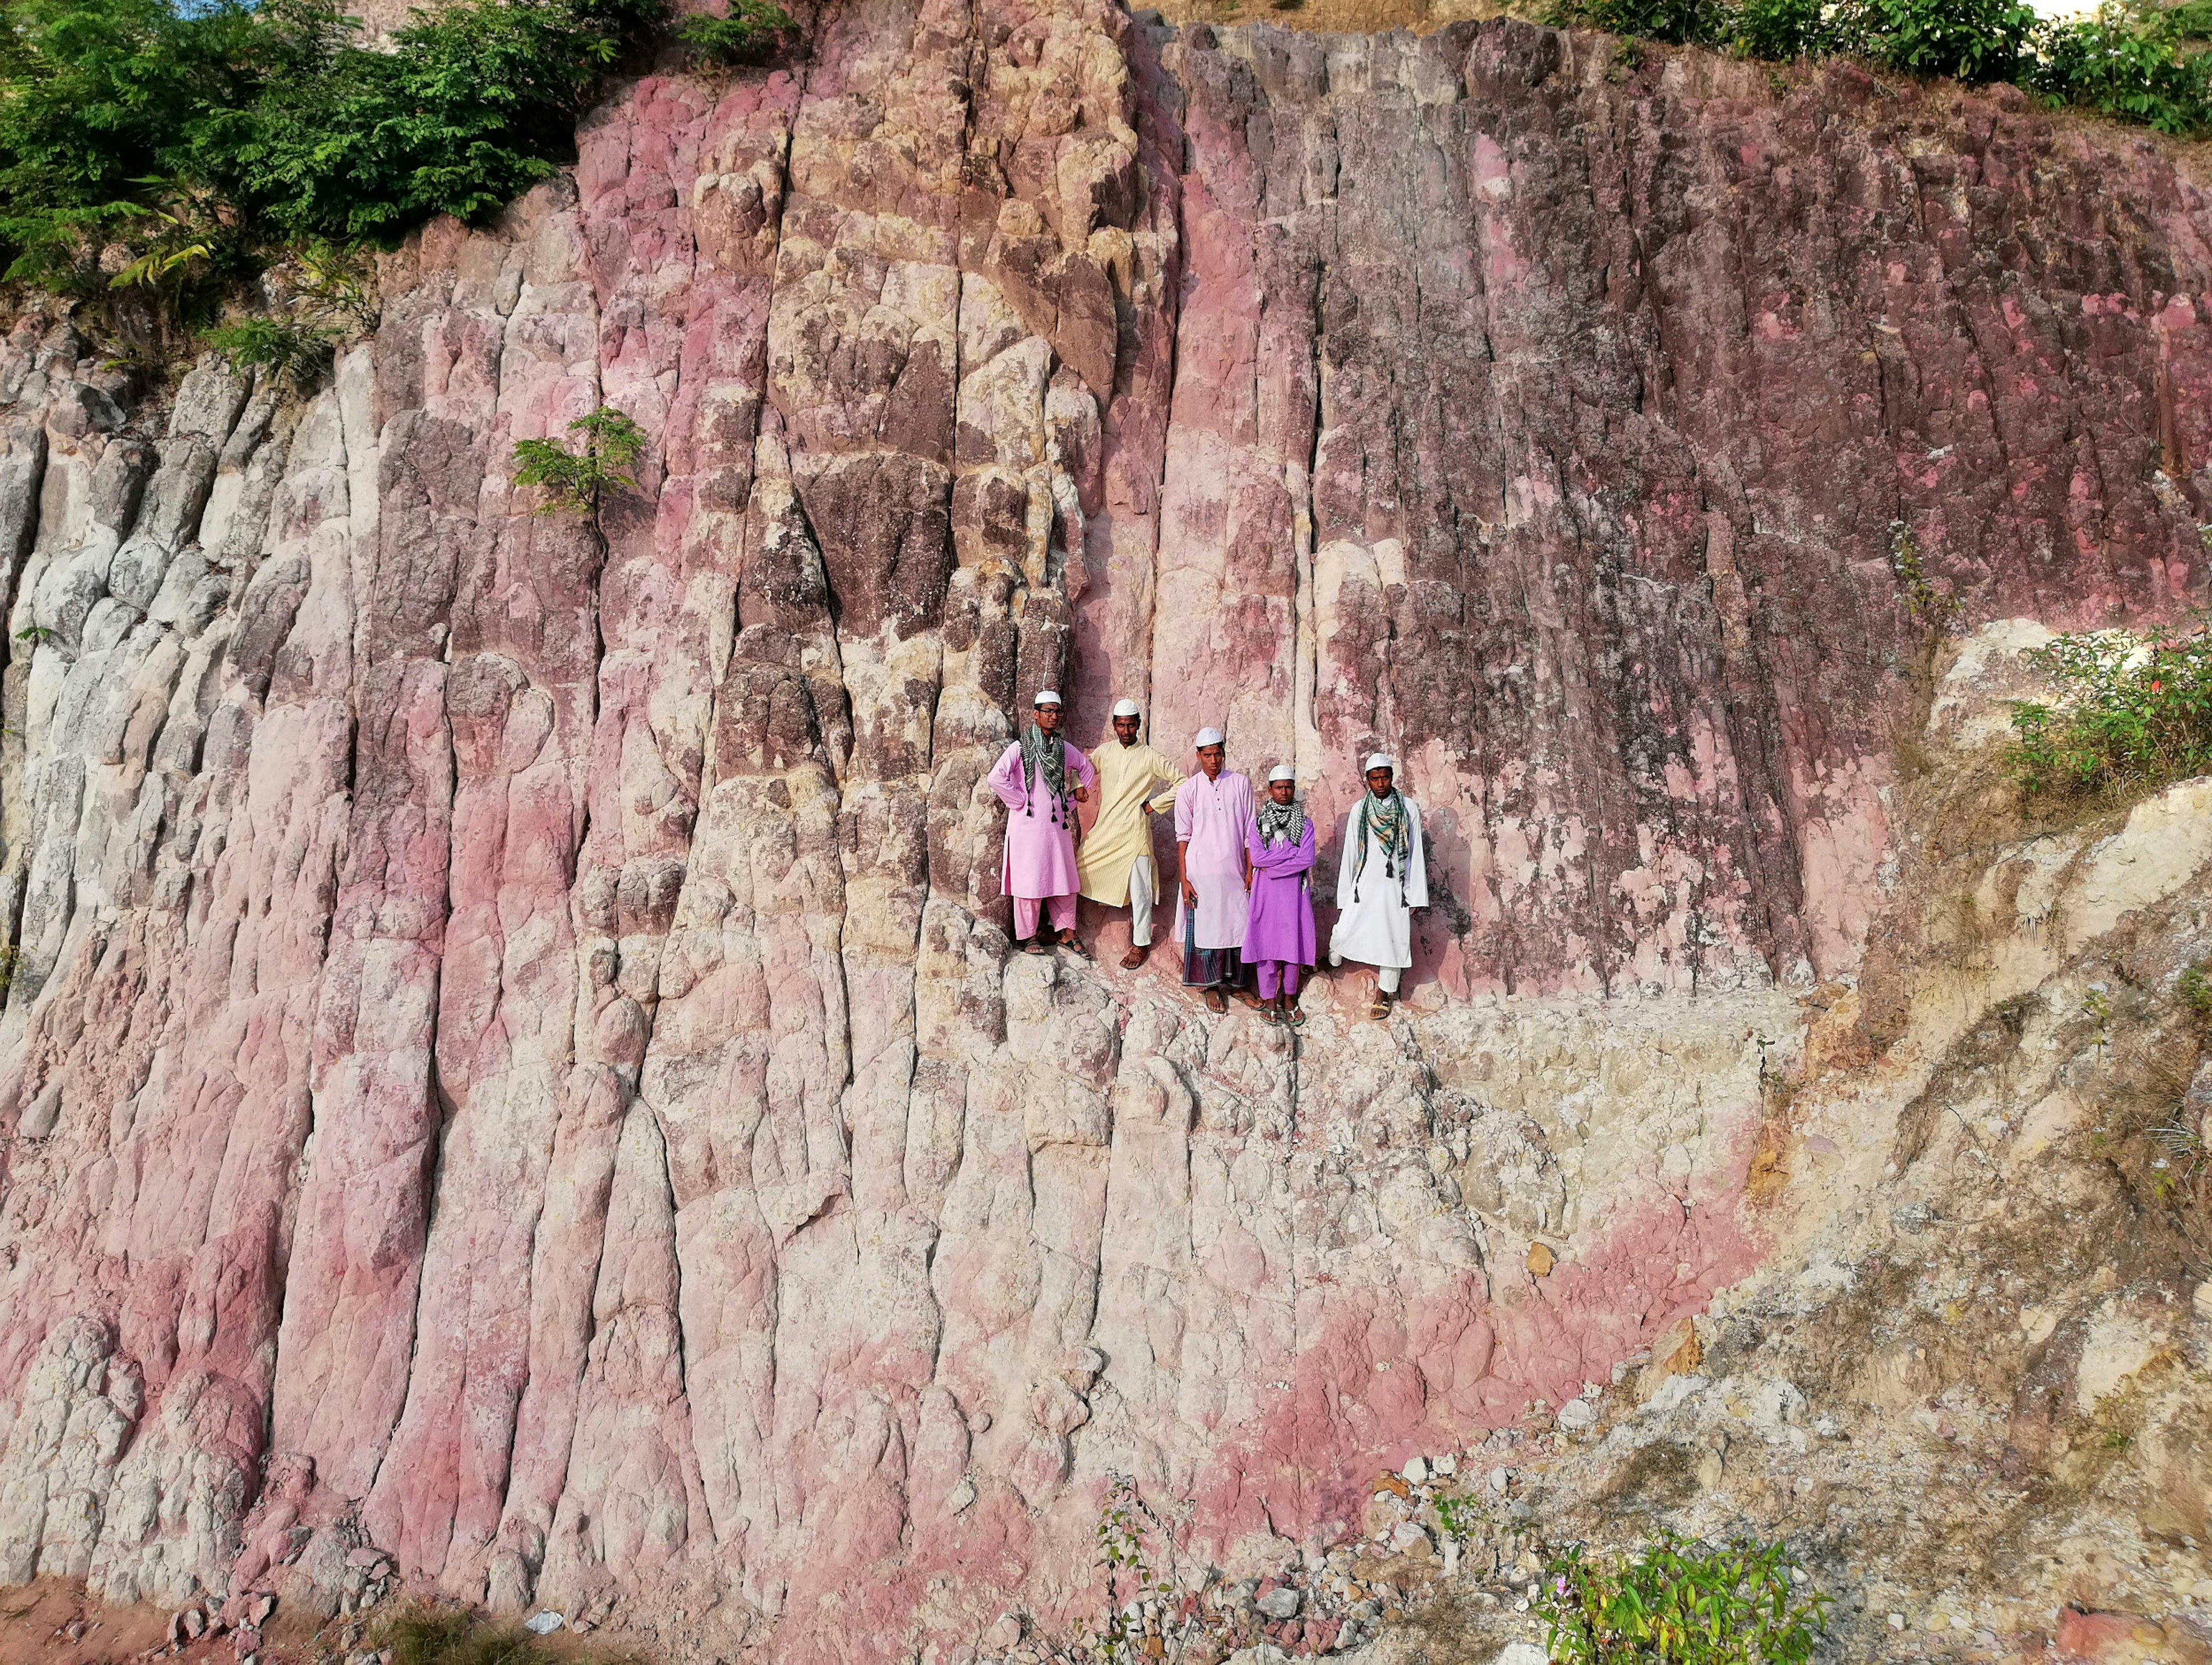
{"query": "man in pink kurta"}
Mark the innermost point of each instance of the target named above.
(1040, 778)
(1214, 813)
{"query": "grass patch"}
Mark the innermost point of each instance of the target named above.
(418, 1633)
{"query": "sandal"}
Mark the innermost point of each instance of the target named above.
(1378, 1008)
(1132, 959)
(1245, 997)
(1070, 943)
(1271, 1014)
(1294, 1016)
(1033, 947)
(1214, 1002)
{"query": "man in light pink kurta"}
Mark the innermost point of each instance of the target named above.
(1214, 813)
(1040, 778)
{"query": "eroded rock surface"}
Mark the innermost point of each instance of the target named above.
(512, 1056)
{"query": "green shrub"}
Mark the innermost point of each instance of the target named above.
(1973, 40)
(2135, 712)
(2135, 63)
(297, 352)
(2194, 987)
(178, 145)
(1777, 30)
(472, 105)
(750, 34)
(2131, 73)
(1678, 22)
(1461, 1514)
(1924, 603)
(336, 279)
(1679, 1602)
(577, 481)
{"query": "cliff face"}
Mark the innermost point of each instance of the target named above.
(512, 1057)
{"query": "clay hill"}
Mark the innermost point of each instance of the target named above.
(514, 1078)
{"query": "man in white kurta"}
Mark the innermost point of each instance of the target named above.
(1214, 813)
(1380, 880)
(1115, 862)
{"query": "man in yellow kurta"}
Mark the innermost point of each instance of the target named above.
(1115, 865)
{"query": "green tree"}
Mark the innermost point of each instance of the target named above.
(577, 478)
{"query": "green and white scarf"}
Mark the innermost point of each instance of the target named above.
(1393, 830)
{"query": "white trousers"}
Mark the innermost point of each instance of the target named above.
(1140, 902)
(1386, 976)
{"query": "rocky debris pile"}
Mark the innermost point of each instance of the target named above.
(361, 1581)
(1450, 1524)
(241, 1620)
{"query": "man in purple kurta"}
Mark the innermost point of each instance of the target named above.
(1278, 930)
(1040, 778)
(1213, 810)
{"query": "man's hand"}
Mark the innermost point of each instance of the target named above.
(1082, 794)
(1189, 894)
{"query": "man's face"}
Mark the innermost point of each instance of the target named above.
(1209, 759)
(1281, 791)
(1125, 730)
(1378, 782)
(1048, 719)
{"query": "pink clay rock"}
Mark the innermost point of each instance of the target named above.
(2121, 1638)
(513, 1062)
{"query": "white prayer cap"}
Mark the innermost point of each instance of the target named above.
(1208, 737)
(1046, 696)
(1127, 709)
(1282, 772)
(1379, 760)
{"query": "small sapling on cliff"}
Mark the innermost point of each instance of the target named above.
(576, 481)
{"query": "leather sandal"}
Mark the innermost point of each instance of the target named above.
(1132, 959)
(1074, 947)
(1214, 1002)
(1034, 945)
